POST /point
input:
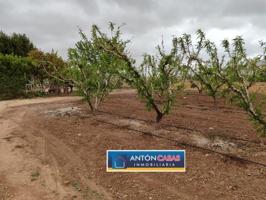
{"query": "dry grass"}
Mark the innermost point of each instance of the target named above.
(259, 87)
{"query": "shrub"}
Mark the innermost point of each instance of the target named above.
(15, 72)
(47, 65)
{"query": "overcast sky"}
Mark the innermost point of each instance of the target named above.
(54, 23)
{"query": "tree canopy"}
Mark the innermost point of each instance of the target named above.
(16, 44)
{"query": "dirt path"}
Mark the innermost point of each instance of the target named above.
(53, 148)
(29, 172)
(19, 168)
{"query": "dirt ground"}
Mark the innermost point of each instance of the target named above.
(55, 148)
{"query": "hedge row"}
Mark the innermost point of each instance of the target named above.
(15, 72)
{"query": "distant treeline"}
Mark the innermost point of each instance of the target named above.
(22, 70)
(15, 44)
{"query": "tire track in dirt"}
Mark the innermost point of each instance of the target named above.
(16, 164)
(58, 150)
(64, 161)
(22, 153)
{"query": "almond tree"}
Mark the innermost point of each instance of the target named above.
(235, 70)
(156, 80)
(262, 76)
(239, 73)
(203, 73)
(92, 71)
(163, 76)
(194, 83)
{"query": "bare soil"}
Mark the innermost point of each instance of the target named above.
(54, 148)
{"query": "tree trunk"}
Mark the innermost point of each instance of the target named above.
(88, 100)
(159, 117)
(91, 106)
(214, 102)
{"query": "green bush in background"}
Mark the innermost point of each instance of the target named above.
(15, 72)
(16, 44)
